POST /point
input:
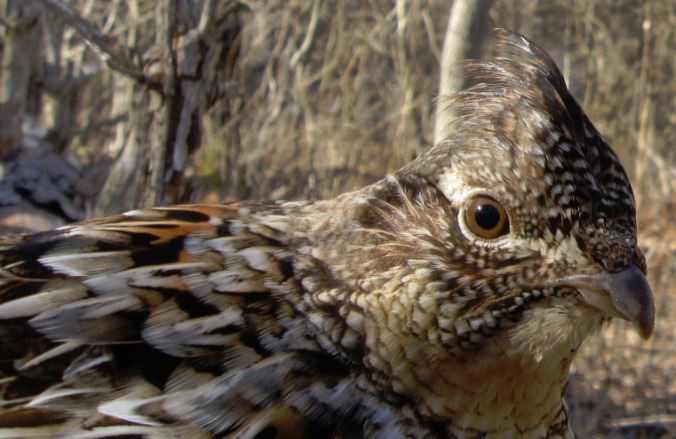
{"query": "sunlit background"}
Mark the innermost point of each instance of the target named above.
(310, 98)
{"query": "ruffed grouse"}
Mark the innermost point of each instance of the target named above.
(444, 301)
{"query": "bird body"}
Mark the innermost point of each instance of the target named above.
(446, 300)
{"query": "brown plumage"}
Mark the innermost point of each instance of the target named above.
(446, 300)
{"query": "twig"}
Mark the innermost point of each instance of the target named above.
(309, 35)
(118, 57)
(431, 35)
(637, 421)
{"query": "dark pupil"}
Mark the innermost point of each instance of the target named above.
(487, 216)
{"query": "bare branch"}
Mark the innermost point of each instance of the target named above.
(309, 36)
(118, 56)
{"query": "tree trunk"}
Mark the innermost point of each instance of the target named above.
(57, 76)
(124, 188)
(18, 57)
(166, 112)
(468, 26)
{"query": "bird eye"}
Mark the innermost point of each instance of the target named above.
(486, 218)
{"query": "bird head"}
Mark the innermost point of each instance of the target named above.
(534, 232)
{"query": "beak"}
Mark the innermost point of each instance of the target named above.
(625, 294)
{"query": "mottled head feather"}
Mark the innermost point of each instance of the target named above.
(538, 148)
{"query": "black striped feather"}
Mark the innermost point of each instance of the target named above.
(160, 323)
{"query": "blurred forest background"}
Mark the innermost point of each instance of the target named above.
(110, 105)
